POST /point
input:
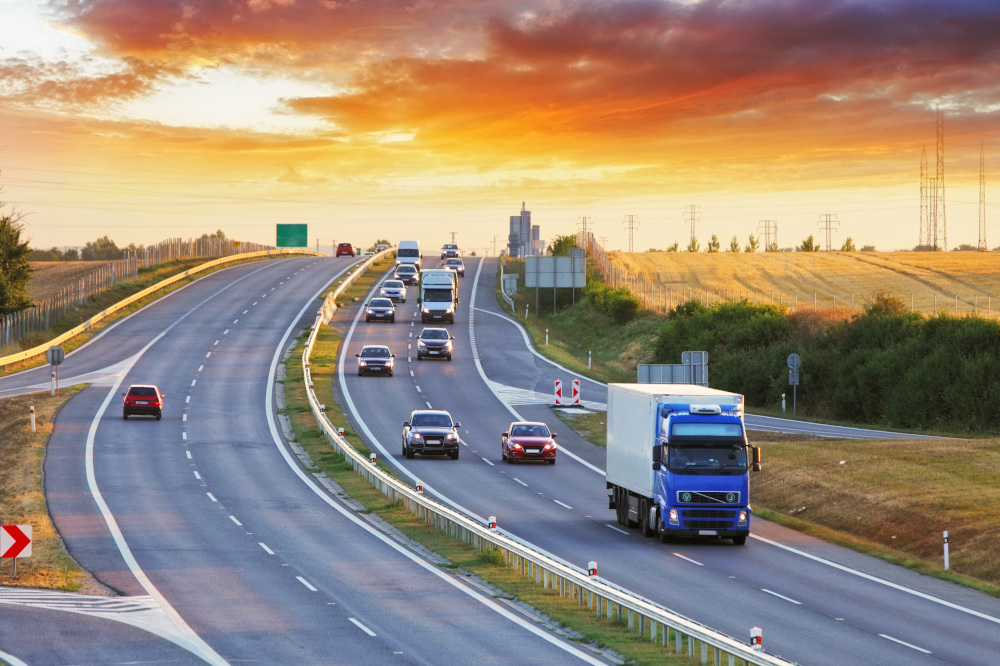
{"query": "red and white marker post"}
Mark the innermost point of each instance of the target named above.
(15, 542)
(559, 392)
(576, 392)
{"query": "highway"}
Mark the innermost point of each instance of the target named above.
(221, 548)
(817, 603)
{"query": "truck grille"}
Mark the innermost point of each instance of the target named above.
(708, 497)
(708, 524)
(707, 513)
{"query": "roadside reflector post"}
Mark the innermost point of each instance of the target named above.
(322, 408)
(526, 312)
(53, 380)
(32, 418)
(946, 550)
(492, 523)
(592, 569)
(782, 402)
(340, 431)
(419, 486)
(372, 458)
(546, 337)
(756, 638)
(589, 354)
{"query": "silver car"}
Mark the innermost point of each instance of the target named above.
(393, 289)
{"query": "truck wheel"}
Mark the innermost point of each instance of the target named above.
(739, 541)
(621, 508)
(647, 520)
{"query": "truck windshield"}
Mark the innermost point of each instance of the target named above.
(438, 295)
(407, 252)
(707, 459)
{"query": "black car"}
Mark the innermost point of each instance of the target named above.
(434, 342)
(456, 265)
(375, 360)
(430, 431)
(380, 309)
(407, 273)
(393, 289)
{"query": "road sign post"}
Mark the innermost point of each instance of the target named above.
(55, 356)
(15, 542)
(794, 361)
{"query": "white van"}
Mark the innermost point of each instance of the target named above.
(408, 252)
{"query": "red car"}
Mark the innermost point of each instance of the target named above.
(143, 399)
(528, 440)
(345, 250)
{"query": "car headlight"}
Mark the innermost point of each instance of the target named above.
(415, 435)
(451, 437)
(514, 445)
(425, 310)
(370, 311)
(550, 446)
(421, 343)
(362, 364)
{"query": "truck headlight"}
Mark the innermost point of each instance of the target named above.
(672, 516)
(425, 310)
(743, 517)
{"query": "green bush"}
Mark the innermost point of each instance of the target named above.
(619, 304)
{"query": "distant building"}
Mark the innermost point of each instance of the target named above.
(523, 239)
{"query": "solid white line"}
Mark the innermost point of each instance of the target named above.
(781, 596)
(521, 482)
(686, 558)
(306, 583)
(617, 529)
(196, 474)
(266, 549)
(562, 504)
(880, 581)
(488, 462)
(188, 454)
(362, 627)
(233, 518)
(211, 497)
(909, 645)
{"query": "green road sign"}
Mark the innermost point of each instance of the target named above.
(293, 235)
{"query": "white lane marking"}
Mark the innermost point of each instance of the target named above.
(266, 549)
(184, 417)
(193, 382)
(187, 399)
(482, 373)
(880, 581)
(428, 405)
(909, 645)
(488, 462)
(685, 558)
(411, 373)
(351, 515)
(196, 474)
(362, 627)
(618, 529)
(188, 454)
(12, 660)
(781, 596)
(201, 367)
(245, 311)
(409, 346)
(418, 390)
(306, 583)
(562, 504)
(184, 436)
(208, 355)
(235, 321)
(215, 343)
(226, 332)
(211, 497)
(255, 302)
(521, 482)
(233, 518)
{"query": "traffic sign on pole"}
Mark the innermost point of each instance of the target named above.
(15, 541)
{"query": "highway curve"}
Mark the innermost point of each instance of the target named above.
(817, 603)
(203, 526)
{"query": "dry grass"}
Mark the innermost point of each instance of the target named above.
(21, 496)
(894, 495)
(851, 276)
(49, 277)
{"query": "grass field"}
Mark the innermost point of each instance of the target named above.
(50, 277)
(974, 277)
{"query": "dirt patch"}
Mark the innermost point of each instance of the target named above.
(50, 277)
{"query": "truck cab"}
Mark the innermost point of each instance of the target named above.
(438, 297)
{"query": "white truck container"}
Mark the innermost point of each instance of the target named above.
(408, 252)
(678, 461)
(438, 297)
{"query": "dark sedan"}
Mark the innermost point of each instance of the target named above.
(375, 360)
(380, 309)
(407, 274)
(528, 440)
(456, 265)
(434, 343)
(430, 431)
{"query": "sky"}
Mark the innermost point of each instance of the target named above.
(432, 119)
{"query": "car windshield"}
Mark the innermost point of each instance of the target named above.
(453, 262)
(434, 334)
(393, 284)
(431, 420)
(380, 303)
(142, 391)
(529, 431)
(375, 352)
(450, 246)
(406, 268)
(702, 459)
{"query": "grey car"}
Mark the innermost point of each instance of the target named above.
(380, 309)
(394, 290)
(430, 431)
(375, 360)
(434, 343)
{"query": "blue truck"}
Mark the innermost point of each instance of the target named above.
(678, 462)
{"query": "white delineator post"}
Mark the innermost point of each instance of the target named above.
(373, 458)
(32, 418)
(756, 638)
(592, 569)
(491, 524)
(946, 550)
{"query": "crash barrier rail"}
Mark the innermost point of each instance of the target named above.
(503, 290)
(584, 587)
(41, 349)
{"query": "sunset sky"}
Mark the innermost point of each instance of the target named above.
(149, 119)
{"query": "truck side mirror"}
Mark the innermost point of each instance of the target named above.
(756, 459)
(656, 466)
(657, 456)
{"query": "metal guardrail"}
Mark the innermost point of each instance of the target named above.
(604, 598)
(503, 291)
(41, 349)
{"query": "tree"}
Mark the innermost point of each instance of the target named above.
(773, 247)
(15, 271)
(561, 246)
(673, 248)
(694, 245)
(752, 245)
(100, 249)
(734, 245)
(867, 248)
(808, 245)
(713, 245)
(848, 245)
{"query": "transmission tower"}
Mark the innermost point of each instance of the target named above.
(941, 221)
(924, 219)
(452, 235)
(828, 222)
(692, 214)
(982, 198)
(585, 230)
(770, 233)
(631, 223)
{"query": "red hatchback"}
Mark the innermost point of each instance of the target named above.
(528, 440)
(345, 250)
(143, 399)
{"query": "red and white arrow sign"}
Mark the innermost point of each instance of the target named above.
(15, 541)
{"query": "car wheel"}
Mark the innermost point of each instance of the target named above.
(454, 454)
(390, 373)
(359, 372)
(158, 415)
(644, 526)
(392, 319)
(403, 301)
(552, 462)
(666, 538)
(449, 357)
(125, 415)
(409, 453)
(367, 319)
